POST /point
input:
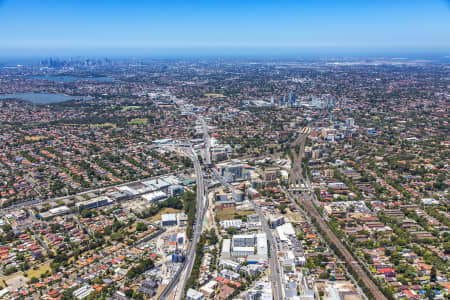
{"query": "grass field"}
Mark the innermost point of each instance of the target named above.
(138, 122)
(16, 277)
(229, 213)
(246, 213)
(214, 95)
(41, 270)
(127, 108)
(225, 214)
(104, 125)
(35, 138)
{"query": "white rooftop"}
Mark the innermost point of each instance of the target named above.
(169, 217)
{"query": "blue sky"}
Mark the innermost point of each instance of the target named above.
(122, 26)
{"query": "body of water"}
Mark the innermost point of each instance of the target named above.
(43, 98)
(73, 78)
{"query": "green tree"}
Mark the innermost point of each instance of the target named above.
(433, 274)
(141, 226)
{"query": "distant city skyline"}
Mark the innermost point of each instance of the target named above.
(51, 27)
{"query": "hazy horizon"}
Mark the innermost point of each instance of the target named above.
(232, 52)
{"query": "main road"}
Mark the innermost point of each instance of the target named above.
(206, 140)
(179, 280)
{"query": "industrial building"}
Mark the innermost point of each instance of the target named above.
(94, 203)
